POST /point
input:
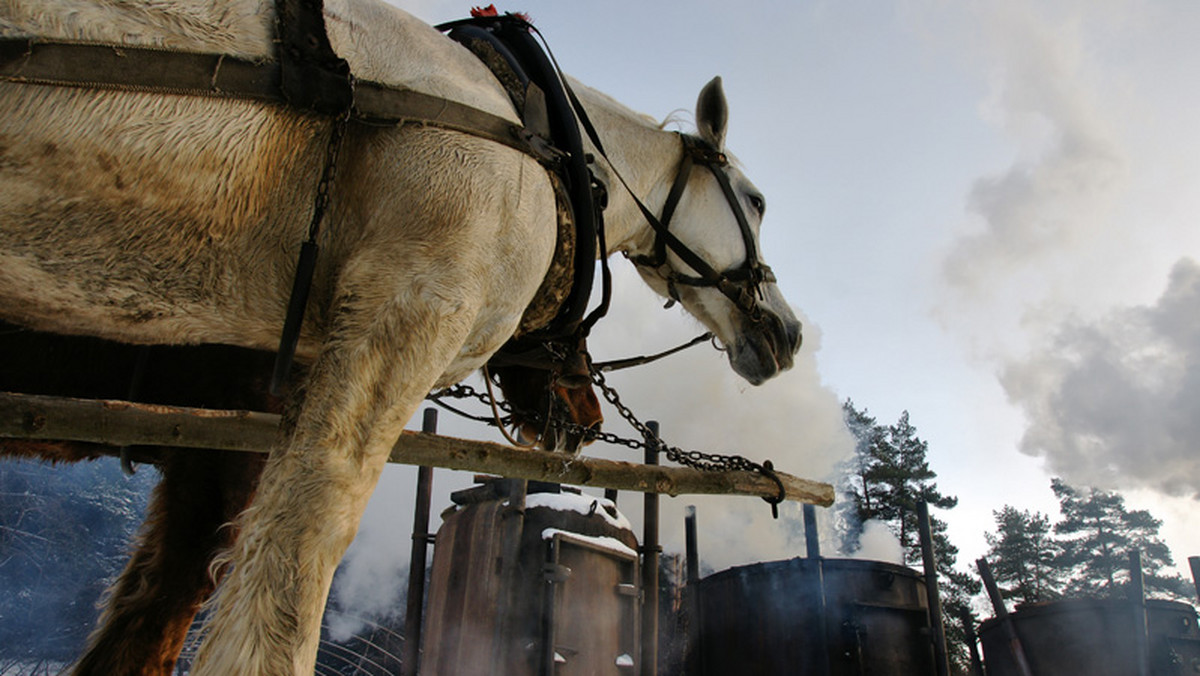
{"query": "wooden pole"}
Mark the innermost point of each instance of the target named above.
(122, 423)
(416, 568)
(1010, 632)
(941, 659)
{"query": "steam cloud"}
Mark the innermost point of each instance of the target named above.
(1045, 224)
(1091, 202)
(1116, 401)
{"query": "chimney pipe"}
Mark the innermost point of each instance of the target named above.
(1010, 632)
(812, 539)
(650, 551)
(416, 568)
(941, 658)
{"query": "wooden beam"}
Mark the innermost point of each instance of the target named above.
(122, 423)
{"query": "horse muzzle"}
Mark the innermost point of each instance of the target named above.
(766, 346)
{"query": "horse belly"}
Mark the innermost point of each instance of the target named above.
(150, 218)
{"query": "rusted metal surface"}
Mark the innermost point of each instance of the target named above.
(122, 423)
(761, 619)
(1094, 637)
(573, 604)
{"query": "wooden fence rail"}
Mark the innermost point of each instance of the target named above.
(122, 423)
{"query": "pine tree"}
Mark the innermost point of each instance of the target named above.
(859, 488)
(1098, 533)
(885, 480)
(1023, 554)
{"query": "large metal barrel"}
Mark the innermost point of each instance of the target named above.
(1094, 637)
(567, 607)
(814, 616)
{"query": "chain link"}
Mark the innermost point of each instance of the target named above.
(700, 460)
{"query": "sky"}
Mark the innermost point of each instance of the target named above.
(983, 211)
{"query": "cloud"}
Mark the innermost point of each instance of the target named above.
(1116, 401)
(1070, 166)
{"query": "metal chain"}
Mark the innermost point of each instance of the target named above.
(328, 173)
(711, 462)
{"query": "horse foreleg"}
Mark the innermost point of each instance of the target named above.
(157, 595)
(362, 390)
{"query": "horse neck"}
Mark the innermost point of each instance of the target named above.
(645, 156)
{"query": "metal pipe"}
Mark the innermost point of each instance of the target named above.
(650, 551)
(692, 549)
(1137, 602)
(1194, 563)
(812, 545)
(692, 546)
(812, 539)
(940, 656)
(411, 661)
(504, 650)
(968, 624)
(1010, 632)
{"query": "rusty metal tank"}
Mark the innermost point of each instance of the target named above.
(814, 616)
(568, 606)
(1094, 637)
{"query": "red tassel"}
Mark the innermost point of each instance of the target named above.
(490, 10)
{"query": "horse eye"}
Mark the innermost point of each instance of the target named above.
(758, 203)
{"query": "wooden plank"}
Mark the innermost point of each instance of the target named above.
(122, 423)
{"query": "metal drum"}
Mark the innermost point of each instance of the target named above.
(1094, 637)
(814, 616)
(568, 606)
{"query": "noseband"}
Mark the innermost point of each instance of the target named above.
(741, 284)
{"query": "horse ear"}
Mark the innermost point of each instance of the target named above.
(712, 113)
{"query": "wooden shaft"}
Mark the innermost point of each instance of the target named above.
(122, 423)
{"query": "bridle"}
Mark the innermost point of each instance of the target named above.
(741, 284)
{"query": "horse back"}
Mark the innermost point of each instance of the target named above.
(162, 218)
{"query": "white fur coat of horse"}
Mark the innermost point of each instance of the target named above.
(150, 218)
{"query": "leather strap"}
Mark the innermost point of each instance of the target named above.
(144, 69)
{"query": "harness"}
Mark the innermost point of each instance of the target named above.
(309, 76)
(742, 283)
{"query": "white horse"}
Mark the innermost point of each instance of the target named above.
(162, 219)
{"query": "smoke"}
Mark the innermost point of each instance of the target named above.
(794, 420)
(879, 543)
(1116, 401)
(1055, 274)
(1043, 225)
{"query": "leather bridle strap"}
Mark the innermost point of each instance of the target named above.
(740, 284)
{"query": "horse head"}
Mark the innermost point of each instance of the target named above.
(559, 392)
(703, 250)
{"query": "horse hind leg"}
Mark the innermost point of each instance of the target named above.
(156, 597)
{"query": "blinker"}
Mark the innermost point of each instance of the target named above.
(574, 373)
